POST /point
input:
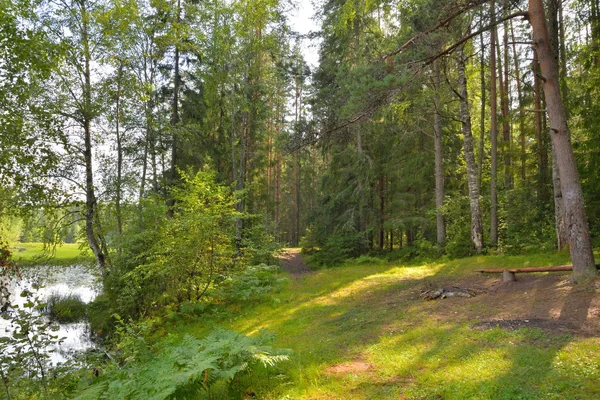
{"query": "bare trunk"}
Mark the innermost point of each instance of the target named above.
(521, 113)
(439, 160)
(482, 115)
(381, 212)
(90, 196)
(493, 137)
(119, 154)
(562, 238)
(174, 119)
(542, 157)
(506, 133)
(579, 237)
(476, 224)
(362, 223)
(559, 217)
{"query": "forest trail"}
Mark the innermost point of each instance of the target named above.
(293, 263)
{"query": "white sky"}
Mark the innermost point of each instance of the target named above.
(301, 20)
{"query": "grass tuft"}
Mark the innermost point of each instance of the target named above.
(66, 308)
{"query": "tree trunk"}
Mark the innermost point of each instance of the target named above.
(542, 158)
(118, 189)
(523, 157)
(579, 237)
(559, 217)
(362, 218)
(174, 118)
(90, 196)
(381, 212)
(476, 224)
(439, 160)
(493, 135)
(482, 115)
(506, 133)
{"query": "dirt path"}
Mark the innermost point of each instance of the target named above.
(294, 263)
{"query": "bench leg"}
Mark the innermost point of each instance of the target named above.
(508, 276)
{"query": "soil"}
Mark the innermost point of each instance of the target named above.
(293, 263)
(547, 301)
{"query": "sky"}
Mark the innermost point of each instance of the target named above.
(301, 21)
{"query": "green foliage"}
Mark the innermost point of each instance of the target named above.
(25, 366)
(458, 227)
(337, 248)
(66, 308)
(526, 224)
(191, 368)
(181, 257)
(252, 284)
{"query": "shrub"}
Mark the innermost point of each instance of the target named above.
(252, 284)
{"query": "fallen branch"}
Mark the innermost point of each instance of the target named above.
(443, 293)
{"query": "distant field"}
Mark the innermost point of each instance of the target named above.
(29, 252)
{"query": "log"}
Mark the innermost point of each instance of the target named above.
(530, 269)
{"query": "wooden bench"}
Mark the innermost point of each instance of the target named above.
(508, 274)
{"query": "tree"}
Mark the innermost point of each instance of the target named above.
(580, 245)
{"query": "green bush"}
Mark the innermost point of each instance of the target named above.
(253, 284)
(338, 248)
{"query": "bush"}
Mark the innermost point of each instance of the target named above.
(338, 248)
(66, 308)
(252, 284)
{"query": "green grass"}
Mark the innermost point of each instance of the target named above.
(359, 332)
(66, 308)
(32, 253)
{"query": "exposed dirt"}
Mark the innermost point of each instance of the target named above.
(294, 263)
(352, 367)
(546, 301)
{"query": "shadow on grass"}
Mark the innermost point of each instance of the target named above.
(413, 349)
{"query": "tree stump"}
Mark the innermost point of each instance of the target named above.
(508, 276)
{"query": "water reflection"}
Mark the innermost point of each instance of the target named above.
(74, 279)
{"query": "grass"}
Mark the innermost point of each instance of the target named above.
(361, 331)
(358, 332)
(33, 253)
(66, 308)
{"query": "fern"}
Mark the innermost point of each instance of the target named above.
(190, 368)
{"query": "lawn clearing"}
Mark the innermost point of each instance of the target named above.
(363, 332)
(61, 254)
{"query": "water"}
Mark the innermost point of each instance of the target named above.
(74, 279)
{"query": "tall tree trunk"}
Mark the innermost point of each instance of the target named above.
(506, 133)
(362, 218)
(439, 160)
(580, 243)
(296, 201)
(482, 115)
(174, 117)
(381, 212)
(476, 223)
(559, 209)
(542, 156)
(119, 182)
(91, 204)
(493, 135)
(523, 169)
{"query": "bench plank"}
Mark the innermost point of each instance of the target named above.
(530, 269)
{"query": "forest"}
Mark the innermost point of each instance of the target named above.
(181, 153)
